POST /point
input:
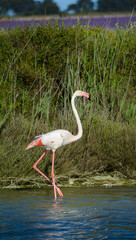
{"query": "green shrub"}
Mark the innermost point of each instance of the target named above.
(41, 68)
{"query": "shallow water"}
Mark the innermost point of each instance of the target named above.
(89, 213)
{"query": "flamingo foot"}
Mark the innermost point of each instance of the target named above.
(59, 192)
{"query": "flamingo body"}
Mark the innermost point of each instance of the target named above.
(52, 140)
(57, 138)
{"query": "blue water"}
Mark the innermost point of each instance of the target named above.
(89, 213)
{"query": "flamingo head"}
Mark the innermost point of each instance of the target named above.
(80, 93)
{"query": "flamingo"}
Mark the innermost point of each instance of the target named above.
(57, 138)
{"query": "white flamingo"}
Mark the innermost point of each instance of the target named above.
(56, 139)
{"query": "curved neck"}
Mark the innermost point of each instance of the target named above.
(80, 129)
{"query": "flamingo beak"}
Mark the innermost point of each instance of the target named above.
(87, 95)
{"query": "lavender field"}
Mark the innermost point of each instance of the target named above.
(101, 21)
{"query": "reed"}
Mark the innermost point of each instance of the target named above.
(39, 71)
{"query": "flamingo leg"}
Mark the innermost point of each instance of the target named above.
(52, 173)
(35, 167)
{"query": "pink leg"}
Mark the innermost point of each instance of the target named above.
(52, 173)
(58, 190)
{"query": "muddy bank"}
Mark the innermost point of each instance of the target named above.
(72, 180)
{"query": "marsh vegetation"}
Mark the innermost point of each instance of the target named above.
(39, 71)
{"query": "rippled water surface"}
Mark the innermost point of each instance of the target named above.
(89, 213)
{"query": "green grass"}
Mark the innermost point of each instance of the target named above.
(39, 71)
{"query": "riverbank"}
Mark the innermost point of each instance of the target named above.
(90, 180)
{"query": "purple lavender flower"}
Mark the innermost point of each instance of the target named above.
(101, 21)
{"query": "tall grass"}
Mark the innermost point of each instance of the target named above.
(39, 71)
